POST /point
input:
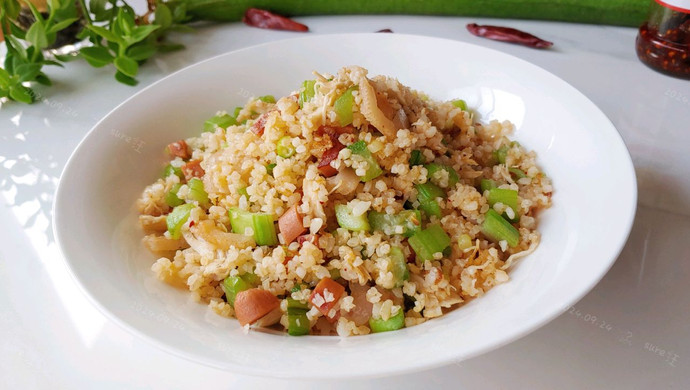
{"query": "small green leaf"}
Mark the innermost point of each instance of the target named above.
(27, 72)
(4, 79)
(15, 45)
(17, 31)
(125, 19)
(35, 12)
(37, 35)
(124, 79)
(105, 33)
(163, 15)
(41, 78)
(61, 25)
(168, 47)
(141, 52)
(182, 28)
(21, 93)
(66, 57)
(127, 66)
(141, 32)
(51, 62)
(97, 56)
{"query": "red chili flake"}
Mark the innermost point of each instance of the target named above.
(264, 19)
(179, 149)
(192, 169)
(258, 126)
(507, 34)
(385, 30)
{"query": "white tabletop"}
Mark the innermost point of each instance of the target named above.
(631, 332)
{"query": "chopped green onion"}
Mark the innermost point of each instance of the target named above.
(409, 221)
(261, 224)
(284, 147)
(343, 107)
(347, 220)
(399, 266)
(427, 195)
(177, 217)
(223, 121)
(236, 112)
(297, 287)
(498, 229)
(269, 168)
(298, 323)
(453, 177)
(417, 158)
(374, 170)
(464, 242)
(428, 242)
(197, 192)
(267, 99)
(459, 103)
(232, 285)
(379, 325)
(501, 153)
(171, 198)
(517, 172)
(507, 197)
(307, 93)
(487, 184)
(171, 170)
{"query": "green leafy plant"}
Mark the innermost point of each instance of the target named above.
(112, 32)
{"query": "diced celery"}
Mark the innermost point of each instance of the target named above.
(294, 305)
(399, 266)
(517, 172)
(197, 192)
(223, 121)
(240, 220)
(298, 323)
(347, 220)
(487, 184)
(429, 241)
(284, 147)
(264, 229)
(343, 107)
(507, 197)
(496, 228)
(236, 112)
(176, 219)
(396, 322)
(307, 93)
(267, 98)
(452, 174)
(171, 170)
(232, 285)
(501, 153)
(427, 195)
(374, 170)
(171, 198)
(409, 220)
(417, 158)
(459, 103)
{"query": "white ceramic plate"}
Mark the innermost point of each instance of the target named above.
(583, 233)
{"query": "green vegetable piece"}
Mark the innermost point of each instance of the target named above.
(347, 220)
(234, 285)
(335, 273)
(517, 173)
(264, 229)
(177, 217)
(223, 121)
(486, 184)
(507, 197)
(427, 195)
(171, 170)
(284, 147)
(496, 228)
(298, 323)
(453, 177)
(171, 198)
(243, 192)
(307, 93)
(293, 305)
(379, 325)
(236, 112)
(464, 242)
(459, 103)
(429, 241)
(409, 220)
(343, 107)
(267, 99)
(417, 158)
(501, 153)
(197, 192)
(240, 220)
(374, 170)
(399, 266)
(269, 168)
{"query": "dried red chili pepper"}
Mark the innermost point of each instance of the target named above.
(507, 34)
(264, 19)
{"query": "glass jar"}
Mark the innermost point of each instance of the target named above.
(663, 43)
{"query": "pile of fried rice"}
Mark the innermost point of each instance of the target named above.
(292, 162)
